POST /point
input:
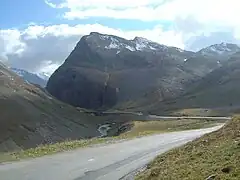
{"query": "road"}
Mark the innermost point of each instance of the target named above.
(101, 162)
(188, 117)
(152, 117)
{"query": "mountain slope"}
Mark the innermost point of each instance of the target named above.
(30, 77)
(30, 117)
(220, 51)
(221, 86)
(213, 156)
(106, 71)
(218, 89)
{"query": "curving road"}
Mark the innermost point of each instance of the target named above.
(189, 117)
(102, 162)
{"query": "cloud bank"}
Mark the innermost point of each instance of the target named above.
(194, 25)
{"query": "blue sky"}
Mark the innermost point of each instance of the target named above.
(52, 28)
(19, 13)
(22, 14)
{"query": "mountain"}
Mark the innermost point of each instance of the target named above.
(220, 87)
(106, 71)
(30, 116)
(221, 51)
(218, 90)
(30, 77)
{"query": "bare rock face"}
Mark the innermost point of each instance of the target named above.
(105, 71)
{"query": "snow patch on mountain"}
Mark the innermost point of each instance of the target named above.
(19, 72)
(30, 77)
(140, 47)
(152, 48)
(142, 43)
(220, 49)
(43, 75)
(180, 50)
(145, 44)
(103, 37)
(114, 44)
(130, 48)
(214, 49)
(117, 43)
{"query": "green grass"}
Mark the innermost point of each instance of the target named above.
(152, 127)
(140, 128)
(216, 154)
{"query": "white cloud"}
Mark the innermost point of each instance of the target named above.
(219, 12)
(42, 49)
(10, 43)
(196, 23)
(82, 4)
(48, 67)
(190, 18)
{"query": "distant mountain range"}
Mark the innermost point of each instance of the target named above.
(31, 77)
(222, 50)
(110, 72)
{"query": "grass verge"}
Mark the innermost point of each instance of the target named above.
(215, 156)
(140, 128)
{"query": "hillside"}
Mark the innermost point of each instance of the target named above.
(220, 51)
(106, 71)
(213, 156)
(218, 89)
(30, 116)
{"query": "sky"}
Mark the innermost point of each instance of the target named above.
(38, 35)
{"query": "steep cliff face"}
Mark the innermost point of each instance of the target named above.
(105, 71)
(82, 81)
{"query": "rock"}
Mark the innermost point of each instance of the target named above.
(226, 169)
(212, 177)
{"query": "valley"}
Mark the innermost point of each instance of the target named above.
(110, 91)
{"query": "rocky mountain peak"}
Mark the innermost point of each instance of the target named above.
(145, 44)
(111, 42)
(220, 49)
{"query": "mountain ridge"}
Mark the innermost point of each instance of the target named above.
(30, 77)
(102, 72)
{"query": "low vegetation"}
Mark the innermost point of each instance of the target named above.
(140, 128)
(222, 111)
(151, 127)
(213, 156)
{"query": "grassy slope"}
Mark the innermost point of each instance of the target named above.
(218, 91)
(140, 128)
(215, 154)
(152, 127)
(30, 116)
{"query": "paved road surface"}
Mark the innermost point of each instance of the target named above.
(189, 117)
(105, 162)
